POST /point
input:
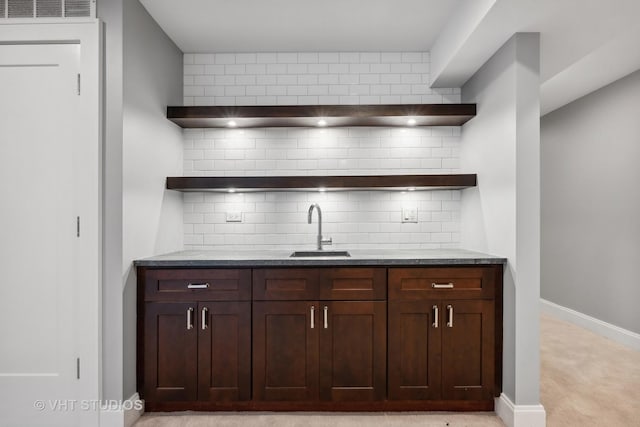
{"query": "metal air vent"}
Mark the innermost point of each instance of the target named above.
(48, 8)
(77, 8)
(21, 9)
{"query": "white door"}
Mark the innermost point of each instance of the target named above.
(41, 311)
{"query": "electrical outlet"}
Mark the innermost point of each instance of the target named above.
(234, 216)
(410, 214)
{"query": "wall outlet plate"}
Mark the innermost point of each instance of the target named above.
(410, 214)
(234, 216)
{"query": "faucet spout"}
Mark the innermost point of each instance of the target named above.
(320, 240)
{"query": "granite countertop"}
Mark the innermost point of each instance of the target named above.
(277, 258)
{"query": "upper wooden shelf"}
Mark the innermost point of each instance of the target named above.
(332, 115)
(321, 183)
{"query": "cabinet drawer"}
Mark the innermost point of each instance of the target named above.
(348, 284)
(285, 284)
(319, 283)
(450, 282)
(197, 284)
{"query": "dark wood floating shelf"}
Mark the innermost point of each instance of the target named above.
(310, 115)
(319, 183)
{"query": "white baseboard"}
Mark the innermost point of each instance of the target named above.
(124, 415)
(133, 412)
(520, 415)
(607, 330)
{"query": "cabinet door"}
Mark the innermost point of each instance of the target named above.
(353, 349)
(285, 350)
(224, 351)
(170, 352)
(415, 331)
(467, 350)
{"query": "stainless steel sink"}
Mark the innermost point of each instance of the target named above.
(302, 254)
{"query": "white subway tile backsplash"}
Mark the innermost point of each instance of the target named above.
(276, 68)
(276, 220)
(188, 58)
(287, 57)
(203, 58)
(214, 69)
(225, 58)
(297, 68)
(307, 57)
(192, 70)
(340, 68)
(329, 79)
(246, 58)
(390, 78)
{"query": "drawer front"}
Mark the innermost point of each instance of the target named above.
(348, 284)
(448, 282)
(285, 284)
(197, 285)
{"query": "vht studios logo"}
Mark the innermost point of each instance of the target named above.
(70, 405)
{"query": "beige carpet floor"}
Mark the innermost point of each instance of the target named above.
(321, 420)
(586, 381)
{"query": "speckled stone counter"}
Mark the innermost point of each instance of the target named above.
(278, 258)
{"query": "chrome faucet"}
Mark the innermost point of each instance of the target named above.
(321, 241)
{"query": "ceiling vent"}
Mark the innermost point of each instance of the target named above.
(20, 9)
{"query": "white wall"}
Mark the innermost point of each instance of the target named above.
(502, 216)
(352, 219)
(110, 12)
(152, 150)
(591, 204)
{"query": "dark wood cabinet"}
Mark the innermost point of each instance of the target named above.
(224, 351)
(443, 348)
(415, 350)
(353, 338)
(353, 347)
(285, 350)
(319, 349)
(197, 350)
(170, 352)
(467, 349)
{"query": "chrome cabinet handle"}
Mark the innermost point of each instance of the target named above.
(435, 316)
(205, 313)
(198, 286)
(450, 316)
(313, 316)
(442, 285)
(190, 318)
(326, 320)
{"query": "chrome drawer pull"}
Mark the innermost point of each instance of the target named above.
(205, 312)
(435, 316)
(326, 321)
(442, 285)
(198, 286)
(450, 316)
(189, 318)
(313, 316)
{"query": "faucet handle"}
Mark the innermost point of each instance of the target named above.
(328, 241)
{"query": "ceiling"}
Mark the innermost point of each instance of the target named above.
(301, 25)
(585, 44)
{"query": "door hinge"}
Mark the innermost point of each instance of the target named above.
(77, 226)
(78, 367)
(78, 84)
